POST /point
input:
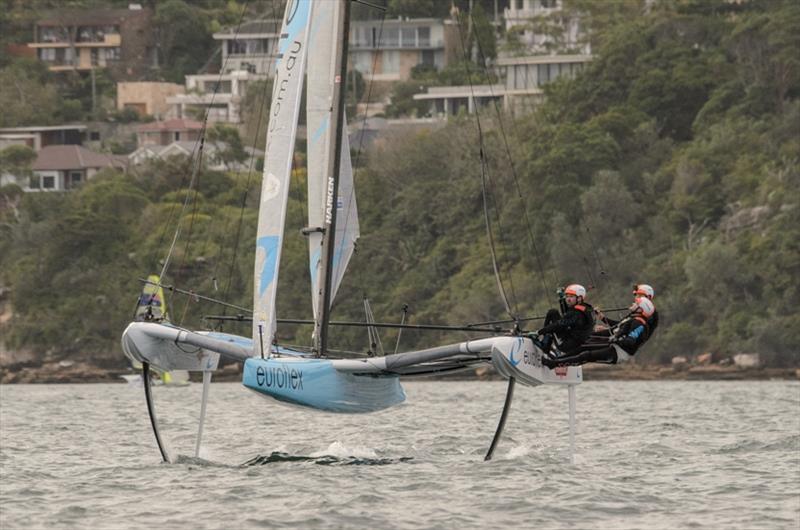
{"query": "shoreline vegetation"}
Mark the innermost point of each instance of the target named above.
(671, 158)
(72, 373)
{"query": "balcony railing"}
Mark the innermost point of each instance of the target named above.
(397, 43)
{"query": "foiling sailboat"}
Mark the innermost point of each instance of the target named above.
(313, 44)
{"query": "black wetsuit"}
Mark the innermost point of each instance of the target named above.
(572, 329)
(632, 333)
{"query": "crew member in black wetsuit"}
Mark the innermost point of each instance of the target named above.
(628, 336)
(573, 327)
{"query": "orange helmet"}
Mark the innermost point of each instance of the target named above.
(576, 290)
(644, 306)
(644, 290)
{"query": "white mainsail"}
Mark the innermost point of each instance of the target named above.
(319, 111)
(281, 132)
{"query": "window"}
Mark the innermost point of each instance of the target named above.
(547, 4)
(112, 54)
(391, 62)
(428, 58)
(519, 76)
(424, 36)
(75, 178)
(47, 54)
(543, 74)
(34, 182)
(48, 183)
(554, 71)
(177, 136)
(391, 37)
(520, 4)
(221, 87)
(237, 47)
(94, 136)
(409, 36)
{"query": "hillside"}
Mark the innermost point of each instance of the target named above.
(673, 159)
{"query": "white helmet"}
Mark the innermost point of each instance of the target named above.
(644, 306)
(575, 289)
(644, 290)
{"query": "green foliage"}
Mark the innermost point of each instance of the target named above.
(672, 159)
(233, 150)
(184, 38)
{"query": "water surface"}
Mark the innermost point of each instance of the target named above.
(656, 455)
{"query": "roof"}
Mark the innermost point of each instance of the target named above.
(176, 124)
(543, 59)
(11, 130)
(62, 157)
(71, 17)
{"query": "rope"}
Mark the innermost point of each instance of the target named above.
(484, 180)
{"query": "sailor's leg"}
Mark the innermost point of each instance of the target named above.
(607, 355)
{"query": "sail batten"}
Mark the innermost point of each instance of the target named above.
(281, 134)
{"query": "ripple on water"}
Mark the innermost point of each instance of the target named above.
(681, 455)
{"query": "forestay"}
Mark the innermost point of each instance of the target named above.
(321, 61)
(281, 133)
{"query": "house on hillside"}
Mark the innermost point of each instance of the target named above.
(165, 132)
(219, 95)
(212, 155)
(388, 50)
(38, 137)
(84, 39)
(523, 79)
(251, 47)
(64, 167)
(528, 18)
(147, 98)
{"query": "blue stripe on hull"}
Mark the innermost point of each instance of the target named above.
(315, 383)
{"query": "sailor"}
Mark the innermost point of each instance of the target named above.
(626, 338)
(573, 327)
(640, 289)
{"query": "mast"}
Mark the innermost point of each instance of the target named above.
(329, 225)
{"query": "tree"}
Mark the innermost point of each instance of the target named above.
(230, 148)
(183, 38)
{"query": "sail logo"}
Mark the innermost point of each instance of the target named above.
(329, 202)
(279, 377)
(283, 85)
(271, 187)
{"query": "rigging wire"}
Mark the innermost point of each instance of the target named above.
(586, 266)
(360, 150)
(246, 192)
(197, 157)
(514, 175)
(484, 178)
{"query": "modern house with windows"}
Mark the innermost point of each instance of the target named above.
(521, 91)
(388, 50)
(38, 137)
(525, 76)
(528, 18)
(64, 167)
(220, 95)
(82, 39)
(251, 47)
